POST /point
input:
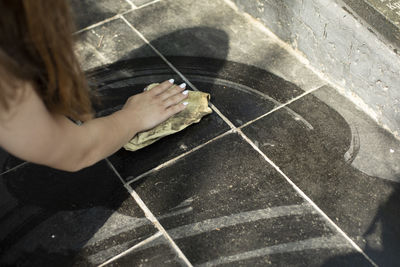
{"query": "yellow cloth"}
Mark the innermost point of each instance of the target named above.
(197, 108)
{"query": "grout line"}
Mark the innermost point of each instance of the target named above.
(280, 106)
(141, 243)
(149, 3)
(14, 168)
(302, 194)
(117, 16)
(156, 51)
(149, 215)
(169, 162)
(133, 6)
(115, 171)
(98, 23)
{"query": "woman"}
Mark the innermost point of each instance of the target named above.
(41, 84)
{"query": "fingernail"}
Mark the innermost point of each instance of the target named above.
(171, 81)
(185, 92)
(185, 103)
(183, 85)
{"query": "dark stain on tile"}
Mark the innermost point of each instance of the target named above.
(312, 144)
(50, 217)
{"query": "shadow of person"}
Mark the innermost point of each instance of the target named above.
(386, 225)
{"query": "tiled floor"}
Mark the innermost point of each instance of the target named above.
(284, 172)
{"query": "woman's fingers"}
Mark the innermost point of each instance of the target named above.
(172, 110)
(175, 99)
(172, 91)
(159, 89)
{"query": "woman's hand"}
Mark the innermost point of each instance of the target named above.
(150, 108)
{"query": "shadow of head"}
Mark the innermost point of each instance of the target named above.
(195, 42)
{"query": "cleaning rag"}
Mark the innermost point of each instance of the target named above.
(197, 108)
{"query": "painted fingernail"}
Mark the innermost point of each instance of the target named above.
(185, 92)
(171, 81)
(183, 85)
(185, 103)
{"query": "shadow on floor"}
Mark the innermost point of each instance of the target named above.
(385, 224)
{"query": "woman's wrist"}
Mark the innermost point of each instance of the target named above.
(124, 123)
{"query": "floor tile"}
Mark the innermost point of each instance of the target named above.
(155, 253)
(54, 218)
(344, 162)
(116, 83)
(109, 43)
(213, 29)
(89, 12)
(229, 201)
(239, 96)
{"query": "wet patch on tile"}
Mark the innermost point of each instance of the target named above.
(55, 218)
(116, 82)
(213, 29)
(225, 204)
(88, 12)
(318, 148)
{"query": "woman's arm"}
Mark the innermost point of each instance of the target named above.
(32, 133)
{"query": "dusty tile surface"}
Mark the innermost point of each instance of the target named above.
(213, 29)
(109, 43)
(227, 205)
(54, 218)
(88, 12)
(155, 253)
(328, 151)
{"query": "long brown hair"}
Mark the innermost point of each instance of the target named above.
(36, 46)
